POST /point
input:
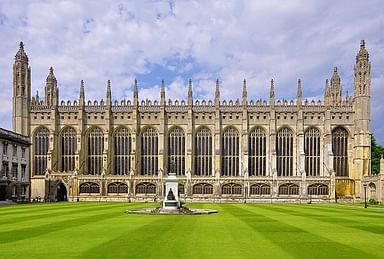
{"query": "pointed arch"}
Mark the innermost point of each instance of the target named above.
(340, 151)
(118, 188)
(230, 152)
(68, 145)
(149, 151)
(95, 139)
(318, 189)
(122, 148)
(284, 151)
(89, 187)
(289, 189)
(145, 188)
(260, 189)
(41, 146)
(312, 149)
(176, 151)
(203, 152)
(257, 148)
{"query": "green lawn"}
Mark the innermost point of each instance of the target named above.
(104, 230)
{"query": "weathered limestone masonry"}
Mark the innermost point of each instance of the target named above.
(375, 184)
(236, 150)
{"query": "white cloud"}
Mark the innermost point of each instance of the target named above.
(230, 40)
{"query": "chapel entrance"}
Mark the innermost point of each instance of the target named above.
(3, 193)
(61, 192)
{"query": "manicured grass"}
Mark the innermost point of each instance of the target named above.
(104, 230)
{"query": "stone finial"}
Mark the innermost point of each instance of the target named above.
(162, 94)
(190, 94)
(109, 95)
(299, 94)
(272, 90)
(190, 88)
(217, 94)
(382, 164)
(362, 44)
(51, 75)
(217, 91)
(363, 53)
(135, 90)
(299, 90)
(82, 95)
(335, 79)
(20, 55)
(245, 93)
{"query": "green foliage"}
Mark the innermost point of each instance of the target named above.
(373, 202)
(376, 152)
(104, 230)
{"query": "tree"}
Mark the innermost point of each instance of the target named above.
(376, 152)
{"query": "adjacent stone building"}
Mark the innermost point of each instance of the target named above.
(240, 150)
(14, 162)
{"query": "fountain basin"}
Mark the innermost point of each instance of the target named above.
(171, 211)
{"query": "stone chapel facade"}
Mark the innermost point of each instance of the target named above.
(237, 150)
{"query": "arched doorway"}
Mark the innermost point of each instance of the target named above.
(61, 192)
(3, 192)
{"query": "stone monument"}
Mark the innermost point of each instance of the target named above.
(171, 200)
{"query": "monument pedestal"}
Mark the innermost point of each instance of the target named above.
(171, 200)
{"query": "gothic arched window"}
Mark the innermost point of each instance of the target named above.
(340, 151)
(318, 189)
(145, 188)
(122, 144)
(41, 141)
(68, 149)
(149, 152)
(260, 189)
(257, 152)
(289, 189)
(119, 188)
(95, 151)
(230, 152)
(203, 152)
(176, 151)
(312, 151)
(89, 187)
(284, 152)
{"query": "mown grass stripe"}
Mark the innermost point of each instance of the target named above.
(237, 231)
(323, 231)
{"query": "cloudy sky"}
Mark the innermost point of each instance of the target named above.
(202, 40)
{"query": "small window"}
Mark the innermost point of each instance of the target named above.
(14, 150)
(23, 152)
(5, 148)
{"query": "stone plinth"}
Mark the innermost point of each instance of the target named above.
(171, 200)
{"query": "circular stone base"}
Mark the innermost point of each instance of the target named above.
(177, 211)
